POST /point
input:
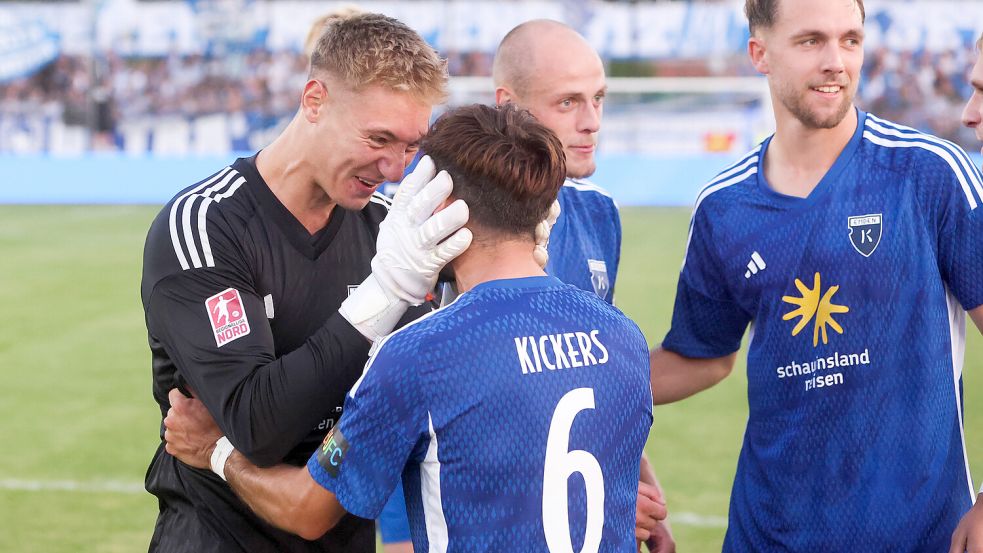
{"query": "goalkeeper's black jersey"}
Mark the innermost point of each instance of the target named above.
(241, 307)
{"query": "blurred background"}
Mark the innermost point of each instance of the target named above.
(126, 80)
(109, 107)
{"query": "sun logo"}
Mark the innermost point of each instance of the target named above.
(811, 305)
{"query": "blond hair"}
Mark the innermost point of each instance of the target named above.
(372, 49)
(321, 24)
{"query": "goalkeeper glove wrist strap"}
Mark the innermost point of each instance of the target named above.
(371, 310)
(223, 449)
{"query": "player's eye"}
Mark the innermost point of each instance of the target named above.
(566, 103)
(378, 140)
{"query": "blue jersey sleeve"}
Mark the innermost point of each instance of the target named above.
(706, 321)
(362, 458)
(961, 230)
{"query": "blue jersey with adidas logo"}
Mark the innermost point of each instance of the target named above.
(585, 243)
(855, 298)
(516, 416)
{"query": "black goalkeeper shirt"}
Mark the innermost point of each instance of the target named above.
(241, 305)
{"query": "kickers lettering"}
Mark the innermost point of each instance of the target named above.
(560, 351)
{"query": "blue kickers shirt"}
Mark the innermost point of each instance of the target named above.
(855, 296)
(519, 413)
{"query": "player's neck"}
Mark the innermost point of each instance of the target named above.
(291, 180)
(799, 157)
(483, 262)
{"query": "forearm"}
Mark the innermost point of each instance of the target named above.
(674, 377)
(266, 409)
(285, 496)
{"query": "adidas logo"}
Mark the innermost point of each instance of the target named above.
(756, 264)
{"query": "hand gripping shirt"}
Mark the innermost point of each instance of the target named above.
(856, 297)
(516, 416)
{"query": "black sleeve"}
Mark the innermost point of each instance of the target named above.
(264, 404)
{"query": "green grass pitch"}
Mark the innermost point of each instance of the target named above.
(79, 424)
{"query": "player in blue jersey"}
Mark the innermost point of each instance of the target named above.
(853, 247)
(969, 534)
(549, 69)
(486, 407)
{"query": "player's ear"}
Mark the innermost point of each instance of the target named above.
(313, 100)
(503, 96)
(756, 51)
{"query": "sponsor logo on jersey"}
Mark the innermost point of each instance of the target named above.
(332, 451)
(865, 233)
(599, 277)
(814, 304)
(227, 316)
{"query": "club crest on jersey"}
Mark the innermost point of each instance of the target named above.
(332, 451)
(599, 277)
(865, 233)
(227, 316)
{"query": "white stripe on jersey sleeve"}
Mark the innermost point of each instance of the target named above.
(172, 216)
(942, 153)
(206, 246)
(188, 208)
(957, 337)
(728, 177)
(433, 509)
(975, 178)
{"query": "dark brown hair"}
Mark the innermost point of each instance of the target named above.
(505, 164)
(761, 14)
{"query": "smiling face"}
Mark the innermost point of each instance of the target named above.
(362, 138)
(812, 55)
(973, 112)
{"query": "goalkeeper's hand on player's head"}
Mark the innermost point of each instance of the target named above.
(413, 245)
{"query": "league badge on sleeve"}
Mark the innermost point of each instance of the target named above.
(227, 316)
(865, 233)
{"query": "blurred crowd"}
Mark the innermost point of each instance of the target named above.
(922, 89)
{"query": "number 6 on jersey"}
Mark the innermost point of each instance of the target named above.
(558, 467)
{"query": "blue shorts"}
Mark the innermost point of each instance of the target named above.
(393, 524)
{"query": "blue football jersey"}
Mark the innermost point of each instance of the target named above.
(855, 296)
(516, 417)
(585, 243)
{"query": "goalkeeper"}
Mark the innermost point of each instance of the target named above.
(264, 284)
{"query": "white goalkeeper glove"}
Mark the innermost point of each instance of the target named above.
(411, 249)
(543, 230)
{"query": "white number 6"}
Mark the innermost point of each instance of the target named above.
(558, 467)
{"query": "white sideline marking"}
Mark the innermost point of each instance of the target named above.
(112, 486)
(693, 519)
(115, 486)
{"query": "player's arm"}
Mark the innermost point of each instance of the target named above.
(675, 377)
(651, 525)
(283, 495)
(266, 404)
(977, 316)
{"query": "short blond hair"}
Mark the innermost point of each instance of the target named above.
(321, 24)
(372, 49)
